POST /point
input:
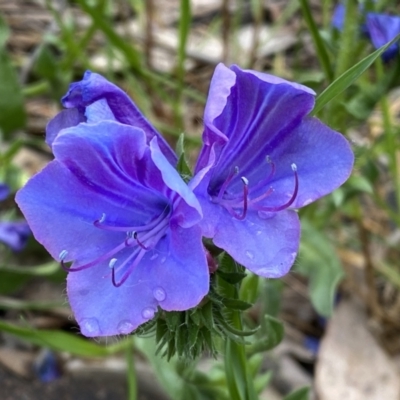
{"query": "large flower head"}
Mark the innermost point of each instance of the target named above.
(112, 204)
(13, 234)
(263, 157)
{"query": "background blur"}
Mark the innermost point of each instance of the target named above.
(340, 305)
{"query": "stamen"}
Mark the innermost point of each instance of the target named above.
(135, 236)
(264, 182)
(63, 255)
(98, 260)
(245, 182)
(99, 224)
(112, 262)
(226, 183)
(129, 271)
(292, 198)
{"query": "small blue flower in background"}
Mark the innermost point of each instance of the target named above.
(382, 29)
(112, 203)
(262, 157)
(379, 28)
(14, 234)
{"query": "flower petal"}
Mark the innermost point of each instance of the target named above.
(94, 87)
(188, 211)
(173, 276)
(64, 119)
(324, 161)
(382, 29)
(4, 191)
(259, 111)
(14, 234)
(94, 174)
(267, 247)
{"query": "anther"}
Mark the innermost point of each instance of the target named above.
(63, 255)
(112, 263)
(244, 180)
(294, 167)
(245, 198)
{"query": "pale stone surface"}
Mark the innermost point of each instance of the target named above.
(351, 363)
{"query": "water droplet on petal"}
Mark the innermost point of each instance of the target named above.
(154, 256)
(148, 313)
(163, 260)
(249, 254)
(125, 327)
(159, 294)
(90, 327)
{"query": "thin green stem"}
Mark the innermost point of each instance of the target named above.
(389, 133)
(131, 372)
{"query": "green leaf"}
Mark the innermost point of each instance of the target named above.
(322, 54)
(182, 165)
(348, 77)
(360, 184)
(272, 332)
(12, 115)
(236, 304)
(231, 277)
(319, 262)
(59, 340)
(299, 394)
(249, 288)
(37, 270)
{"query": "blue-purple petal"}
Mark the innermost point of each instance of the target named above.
(4, 191)
(173, 276)
(64, 119)
(93, 87)
(187, 211)
(260, 111)
(382, 29)
(323, 158)
(267, 247)
(14, 234)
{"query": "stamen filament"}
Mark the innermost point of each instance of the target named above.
(226, 183)
(99, 224)
(290, 201)
(130, 269)
(104, 257)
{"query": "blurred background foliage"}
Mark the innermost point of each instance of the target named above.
(163, 53)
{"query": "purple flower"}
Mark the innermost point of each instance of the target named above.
(113, 204)
(379, 28)
(95, 99)
(382, 29)
(263, 157)
(338, 16)
(14, 234)
(4, 191)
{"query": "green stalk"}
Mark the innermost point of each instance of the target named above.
(347, 39)
(389, 133)
(131, 372)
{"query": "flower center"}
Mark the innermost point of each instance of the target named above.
(139, 238)
(247, 200)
